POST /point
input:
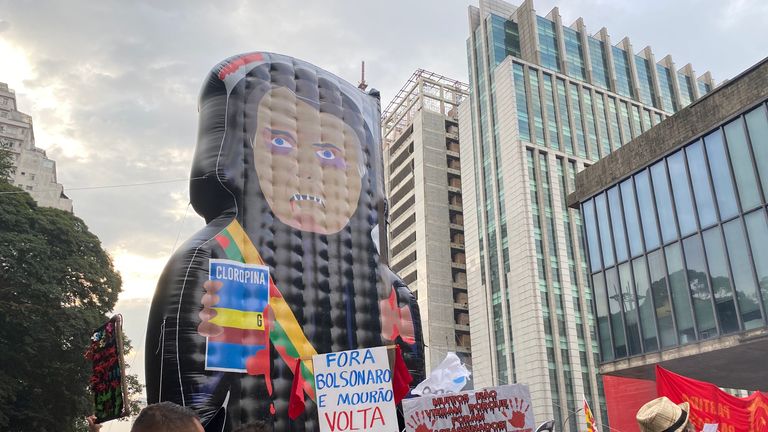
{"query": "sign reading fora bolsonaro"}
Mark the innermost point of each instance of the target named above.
(354, 391)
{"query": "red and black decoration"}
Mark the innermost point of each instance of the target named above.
(108, 378)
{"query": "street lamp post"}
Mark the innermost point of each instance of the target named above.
(562, 426)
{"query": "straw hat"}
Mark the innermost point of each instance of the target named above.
(662, 415)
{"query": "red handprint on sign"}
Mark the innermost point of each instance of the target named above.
(418, 422)
(519, 409)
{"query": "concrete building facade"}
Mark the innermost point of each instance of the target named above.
(34, 172)
(422, 168)
(546, 101)
(676, 225)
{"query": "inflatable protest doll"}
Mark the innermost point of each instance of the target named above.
(288, 176)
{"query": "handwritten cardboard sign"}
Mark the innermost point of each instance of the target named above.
(354, 391)
(497, 409)
(108, 376)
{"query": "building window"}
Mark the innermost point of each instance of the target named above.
(598, 60)
(685, 84)
(738, 149)
(722, 287)
(644, 73)
(757, 123)
(548, 49)
(574, 54)
(666, 86)
(521, 97)
(746, 291)
(623, 76)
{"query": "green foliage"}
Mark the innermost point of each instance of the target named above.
(6, 165)
(57, 285)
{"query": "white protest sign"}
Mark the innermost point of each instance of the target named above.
(496, 409)
(354, 391)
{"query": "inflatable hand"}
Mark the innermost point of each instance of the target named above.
(209, 300)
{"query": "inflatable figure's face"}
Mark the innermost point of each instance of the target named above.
(307, 163)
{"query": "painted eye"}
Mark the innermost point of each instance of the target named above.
(325, 154)
(281, 143)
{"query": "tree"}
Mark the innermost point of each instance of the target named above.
(6, 165)
(57, 285)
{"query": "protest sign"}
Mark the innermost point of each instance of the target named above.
(354, 391)
(496, 409)
(238, 316)
(108, 377)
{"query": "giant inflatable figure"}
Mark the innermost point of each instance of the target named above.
(287, 174)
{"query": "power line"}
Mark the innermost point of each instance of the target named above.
(117, 185)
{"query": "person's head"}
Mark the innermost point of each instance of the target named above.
(663, 415)
(167, 417)
(254, 426)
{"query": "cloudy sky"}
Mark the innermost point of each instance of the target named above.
(112, 85)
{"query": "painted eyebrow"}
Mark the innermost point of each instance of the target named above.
(326, 145)
(284, 133)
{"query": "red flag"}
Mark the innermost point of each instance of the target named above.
(401, 378)
(296, 402)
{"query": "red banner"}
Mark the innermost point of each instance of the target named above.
(709, 404)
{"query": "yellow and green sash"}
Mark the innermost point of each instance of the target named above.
(285, 333)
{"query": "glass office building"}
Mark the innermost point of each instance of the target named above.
(678, 246)
(678, 251)
(546, 101)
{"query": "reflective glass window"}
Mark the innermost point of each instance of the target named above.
(614, 120)
(548, 49)
(603, 323)
(538, 119)
(574, 54)
(621, 67)
(617, 222)
(523, 123)
(637, 128)
(738, 148)
(646, 116)
(626, 130)
(704, 88)
(602, 115)
(663, 202)
(686, 88)
(699, 287)
(647, 212)
(594, 152)
(598, 61)
(614, 307)
(741, 266)
(503, 40)
(683, 200)
(721, 175)
(661, 299)
(667, 89)
(605, 230)
(757, 230)
(631, 217)
(554, 137)
(565, 122)
(630, 309)
(593, 243)
(644, 73)
(722, 288)
(757, 124)
(645, 305)
(705, 204)
(581, 142)
(680, 300)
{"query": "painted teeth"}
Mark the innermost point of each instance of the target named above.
(301, 197)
